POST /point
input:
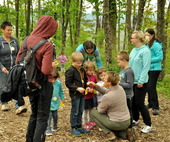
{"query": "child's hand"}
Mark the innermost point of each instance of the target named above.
(63, 101)
(80, 89)
(91, 83)
(55, 64)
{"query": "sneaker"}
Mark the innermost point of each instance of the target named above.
(109, 137)
(135, 123)
(54, 129)
(87, 126)
(155, 112)
(21, 110)
(83, 131)
(5, 107)
(148, 106)
(48, 133)
(76, 132)
(92, 123)
(146, 129)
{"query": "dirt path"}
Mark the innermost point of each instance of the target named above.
(13, 127)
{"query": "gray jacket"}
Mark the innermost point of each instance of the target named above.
(8, 52)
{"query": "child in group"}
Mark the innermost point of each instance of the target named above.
(126, 80)
(55, 102)
(89, 67)
(76, 82)
(62, 59)
(101, 72)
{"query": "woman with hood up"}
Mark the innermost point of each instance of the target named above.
(40, 100)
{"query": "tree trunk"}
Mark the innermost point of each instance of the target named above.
(65, 19)
(28, 17)
(140, 14)
(128, 20)
(110, 16)
(96, 7)
(78, 21)
(17, 16)
(167, 25)
(161, 32)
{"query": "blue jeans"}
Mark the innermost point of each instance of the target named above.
(77, 107)
(152, 93)
(54, 115)
(3, 78)
(40, 105)
(138, 105)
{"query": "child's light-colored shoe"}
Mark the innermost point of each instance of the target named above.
(5, 107)
(21, 110)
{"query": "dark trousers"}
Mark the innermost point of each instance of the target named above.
(129, 104)
(138, 105)
(152, 93)
(40, 106)
(77, 107)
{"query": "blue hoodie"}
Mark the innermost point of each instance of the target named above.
(140, 59)
(156, 56)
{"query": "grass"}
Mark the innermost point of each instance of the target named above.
(163, 87)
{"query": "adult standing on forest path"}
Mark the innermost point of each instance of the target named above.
(155, 47)
(90, 52)
(40, 99)
(140, 58)
(9, 48)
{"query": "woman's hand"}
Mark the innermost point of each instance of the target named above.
(80, 89)
(91, 83)
(139, 85)
(4, 70)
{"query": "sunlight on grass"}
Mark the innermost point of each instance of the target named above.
(164, 87)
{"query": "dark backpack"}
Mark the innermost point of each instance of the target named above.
(27, 59)
(24, 78)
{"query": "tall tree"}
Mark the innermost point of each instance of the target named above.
(28, 17)
(17, 16)
(109, 22)
(167, 24)
(128, 19)
(78, 20)
(76, 10)
(161, 30)
(140, 14)
(65, 20)
(39, 8)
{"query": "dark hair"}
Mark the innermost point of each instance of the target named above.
(55, 73)
(89, 45)
(5, 24)
(152, 32)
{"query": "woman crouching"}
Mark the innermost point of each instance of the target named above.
(112, 114)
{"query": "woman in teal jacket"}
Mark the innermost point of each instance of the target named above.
(155, 47)
(140, 58)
